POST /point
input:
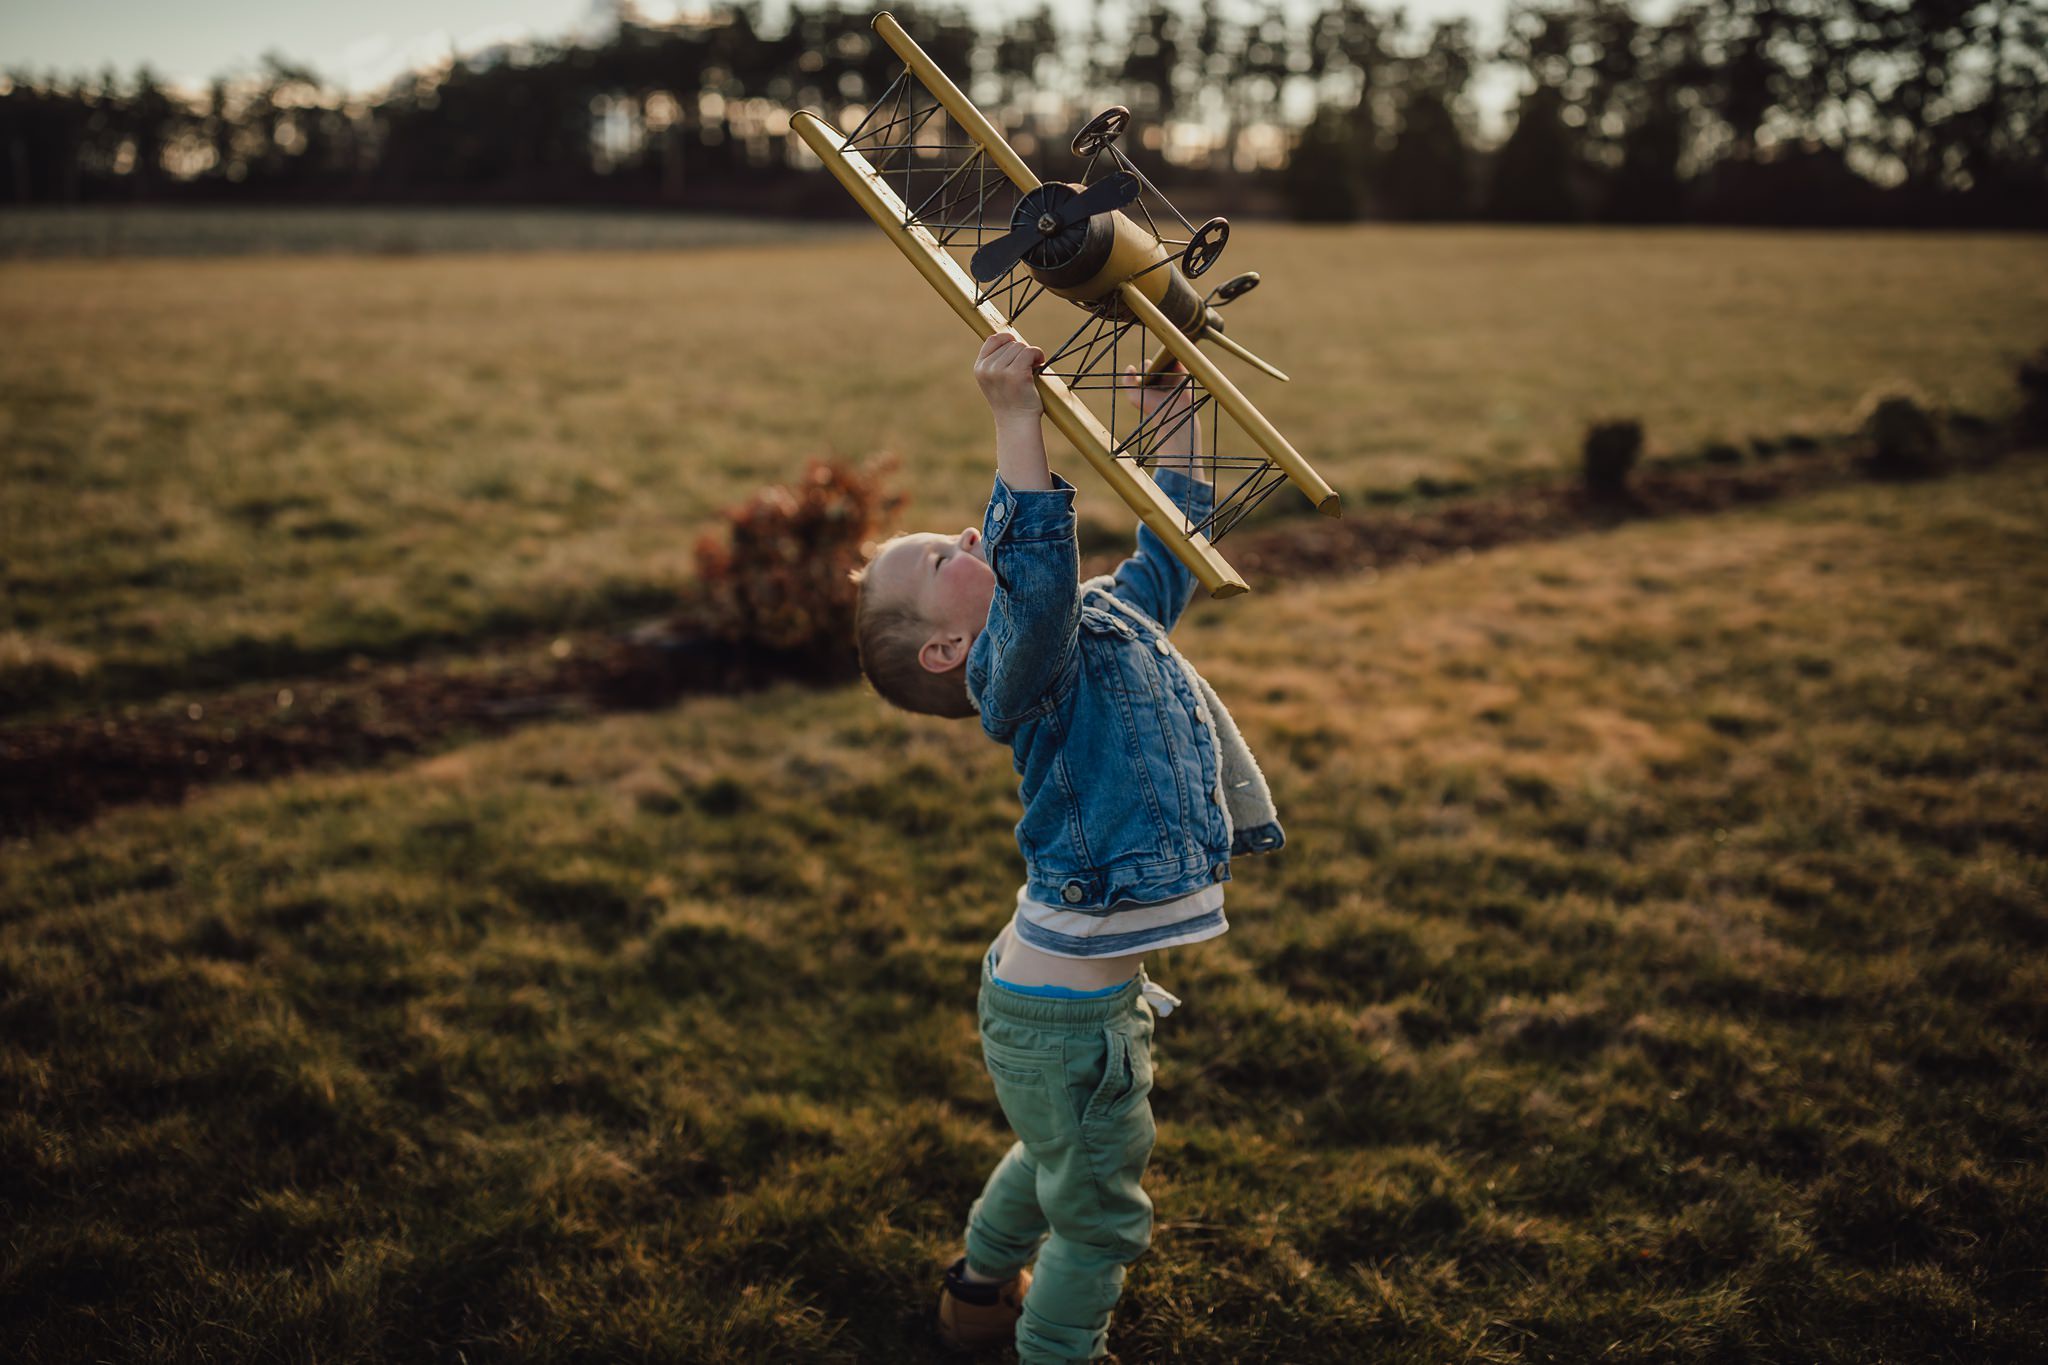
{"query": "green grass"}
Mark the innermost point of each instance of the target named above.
(1655, 972)
(223, 469)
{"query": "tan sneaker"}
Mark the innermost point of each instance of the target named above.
(970, 1325)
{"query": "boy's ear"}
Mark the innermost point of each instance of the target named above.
(943, 653)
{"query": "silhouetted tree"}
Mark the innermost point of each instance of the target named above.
(1723, 110)
(1323, 178)
(1425, 173)
(1646, 188)
(1532, 171)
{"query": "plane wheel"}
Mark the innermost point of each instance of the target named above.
(1102, 130)
(1205, 247)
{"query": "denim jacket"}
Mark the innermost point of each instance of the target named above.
(1118, 754)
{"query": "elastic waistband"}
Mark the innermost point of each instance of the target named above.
(1076, 1016)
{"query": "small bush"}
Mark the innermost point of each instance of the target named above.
(777, 577)
(2033, 378)
(1900, 436)
(1722, 452)
(1611, 452)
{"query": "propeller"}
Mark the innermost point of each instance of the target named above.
(995, 259)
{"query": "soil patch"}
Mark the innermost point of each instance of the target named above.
(61, 772)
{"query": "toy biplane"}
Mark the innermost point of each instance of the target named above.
(993, 239)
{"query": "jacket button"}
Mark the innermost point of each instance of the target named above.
(1218, 870)
(1071, 892)
(1164, 648)
(1212, 796)
(1200, 719)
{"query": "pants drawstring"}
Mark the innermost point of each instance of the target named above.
(1162, 1000)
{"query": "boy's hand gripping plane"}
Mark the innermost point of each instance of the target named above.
(992, 238)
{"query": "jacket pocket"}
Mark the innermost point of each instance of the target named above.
(1104, 621)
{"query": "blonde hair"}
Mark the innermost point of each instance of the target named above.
(889, 636)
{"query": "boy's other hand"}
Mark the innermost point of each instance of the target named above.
(1006, 367)
(1167, 400)
(1157, 390)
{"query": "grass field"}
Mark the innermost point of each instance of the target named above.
(1657, 969)
(1655, 972)
(224, 469)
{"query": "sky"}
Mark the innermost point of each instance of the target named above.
(362, 45)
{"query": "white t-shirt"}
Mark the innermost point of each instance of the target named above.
(1132, 932)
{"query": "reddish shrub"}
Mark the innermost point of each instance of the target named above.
(777, 575)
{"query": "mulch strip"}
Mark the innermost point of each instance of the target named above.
(61, 772)
(1312, 546)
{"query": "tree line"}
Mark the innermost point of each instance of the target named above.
(1891, 112)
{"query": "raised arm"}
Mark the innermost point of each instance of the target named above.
(1007, 371)
(1153, 579)
(1028, 537)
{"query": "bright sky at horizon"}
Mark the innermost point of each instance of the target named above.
(363, 45)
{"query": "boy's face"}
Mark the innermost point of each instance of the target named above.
(946, 581)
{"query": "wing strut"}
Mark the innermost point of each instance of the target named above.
(1231, 401)
(970, 119)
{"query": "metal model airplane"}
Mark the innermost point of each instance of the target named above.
(993, 239)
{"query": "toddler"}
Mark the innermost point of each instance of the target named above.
(1137, 790)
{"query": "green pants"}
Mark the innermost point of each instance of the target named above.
(1073, 1078)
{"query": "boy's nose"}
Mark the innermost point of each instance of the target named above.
(970, 538)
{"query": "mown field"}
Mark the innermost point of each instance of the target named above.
(1655, 972)
(225, 469)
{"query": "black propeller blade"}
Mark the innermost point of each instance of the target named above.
(1110, 192)
(994, 259)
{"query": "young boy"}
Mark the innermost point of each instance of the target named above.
(1137, 791)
